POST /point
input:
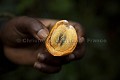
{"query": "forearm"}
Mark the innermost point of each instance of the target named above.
(5, 64)
(25, 57)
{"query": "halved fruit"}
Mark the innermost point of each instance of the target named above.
(62, 39)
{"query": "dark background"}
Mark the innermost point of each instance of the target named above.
(100, 18)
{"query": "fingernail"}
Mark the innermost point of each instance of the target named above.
(71, 56)
(43, 33)
(41, 57)
(81, 39)
(37, 65)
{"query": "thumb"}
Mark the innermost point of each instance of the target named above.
(42, 34)
(32, 26)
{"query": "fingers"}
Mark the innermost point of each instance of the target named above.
(49, 59)
(80, 50)
(75, 56)
(69, 58)
(78, 53)
(79, 31)
(48, 63)
(47, 68)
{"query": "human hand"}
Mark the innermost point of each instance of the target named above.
(23, 40)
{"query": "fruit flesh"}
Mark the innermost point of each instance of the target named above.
(62, 39)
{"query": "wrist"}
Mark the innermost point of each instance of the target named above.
(25, 57)
(5, 64)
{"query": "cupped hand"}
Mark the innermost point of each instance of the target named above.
(24, 43)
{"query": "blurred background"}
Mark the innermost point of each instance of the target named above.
(100, 18)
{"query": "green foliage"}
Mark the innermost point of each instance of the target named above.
(23, 5)
(60, 6)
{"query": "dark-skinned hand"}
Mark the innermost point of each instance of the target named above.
(24, 43)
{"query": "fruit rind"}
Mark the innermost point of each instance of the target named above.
(61, 27)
